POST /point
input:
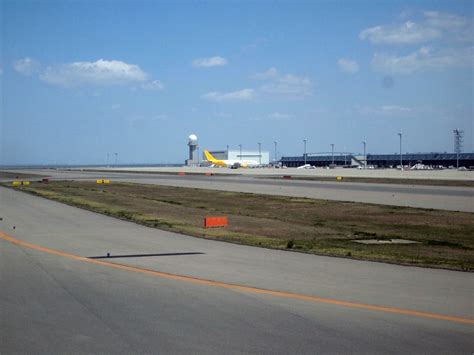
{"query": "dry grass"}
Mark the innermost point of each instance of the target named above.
(18, 176)
(314, 226)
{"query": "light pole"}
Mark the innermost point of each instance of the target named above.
(332, 153)
(260, 153)
(108, 160)
(240, 147)
(276, 157)
(401, 156)
(365, 155)
(345, 157)
(304, 151)
(198, 155)
(116, 158)
(458, 137)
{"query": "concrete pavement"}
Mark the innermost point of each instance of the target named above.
(50, 302)
(445, 174)
(435, 197)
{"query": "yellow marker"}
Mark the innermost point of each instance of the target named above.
(99, 181)
(106, 181)
(25, 182)
(339, 178)
(16, 183)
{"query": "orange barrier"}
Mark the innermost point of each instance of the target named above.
(209, 174)
(286, 176)
(215, 222)
(181, 173)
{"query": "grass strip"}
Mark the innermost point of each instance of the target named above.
(445, 239)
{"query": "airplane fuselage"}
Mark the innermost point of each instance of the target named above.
(230, 163)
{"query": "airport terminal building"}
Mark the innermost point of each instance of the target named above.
(262, 158)
(382, 160)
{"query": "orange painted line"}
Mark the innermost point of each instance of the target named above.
(236, 287)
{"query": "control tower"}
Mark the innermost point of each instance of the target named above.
(193, 157)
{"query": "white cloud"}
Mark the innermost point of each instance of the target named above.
(284, 85)
(154, 85)
(255, 44)
(268, 74)
(26, 66)
(385, 110)
(432, 26)
(209, 62)
(348, 66)
(274, 116)
(101, 72)
(290, 86)
(276, 85)
(240, 95)
(455, 28)
(407, 33)
(448, 32)
(395, 109)
(443, 20)
(278, 116)
(424, 59)
(161, 117)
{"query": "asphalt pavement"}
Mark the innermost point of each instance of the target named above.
(167, 292)
(420, 196)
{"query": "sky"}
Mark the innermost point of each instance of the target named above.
(81, 80)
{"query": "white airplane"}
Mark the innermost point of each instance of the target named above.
(230, 163)
(306, 166)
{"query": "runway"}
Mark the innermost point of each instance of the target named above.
(64, 303)
(421, 196)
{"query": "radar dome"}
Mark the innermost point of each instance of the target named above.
(193, 138)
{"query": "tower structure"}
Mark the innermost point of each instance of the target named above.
(192, 144)
(458, 139)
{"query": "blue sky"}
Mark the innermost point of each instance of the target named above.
(80, 79)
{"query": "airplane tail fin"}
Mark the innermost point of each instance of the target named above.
(209, 156)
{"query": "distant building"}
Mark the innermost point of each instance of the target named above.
(232, 154)
(382, 160)
(434, 159)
